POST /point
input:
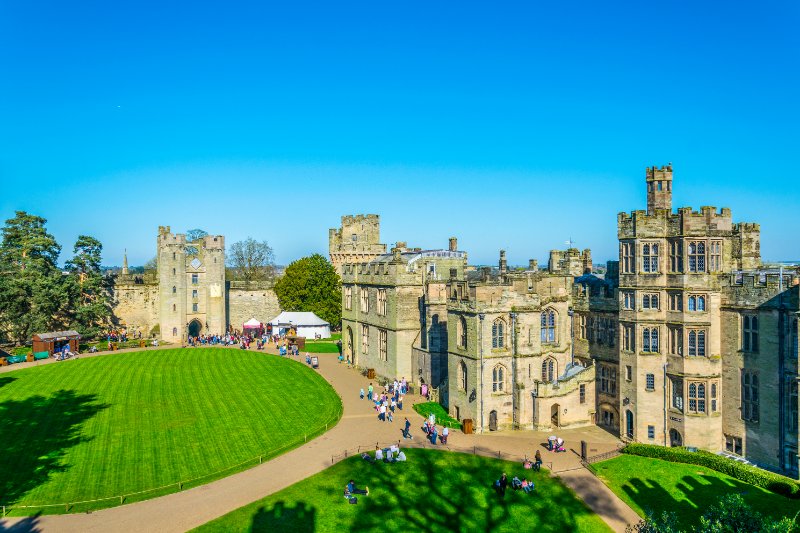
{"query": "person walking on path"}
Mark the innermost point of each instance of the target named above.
(406, 434)
(382, 415)
(369, 392)
(445, 433)
(537, 464)
(361, 395)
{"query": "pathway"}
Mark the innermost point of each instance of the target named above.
(185, 510)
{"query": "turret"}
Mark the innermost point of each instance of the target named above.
(659, 188)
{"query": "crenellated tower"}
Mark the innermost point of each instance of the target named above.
(659, 188)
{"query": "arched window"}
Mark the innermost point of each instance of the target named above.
(646, 301)
(549, 370)
(498, 333)
(174, 332)
(173, 271)
(174, 308)
(462, 376)
(692, 303)
(174, 289)
(650, 340)
(498, 378)
(549, 326)
(701, 398)
(462, 332)
(701, 303)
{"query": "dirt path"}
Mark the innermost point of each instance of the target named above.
(358, 427)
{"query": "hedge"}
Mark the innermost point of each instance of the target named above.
(743, 472)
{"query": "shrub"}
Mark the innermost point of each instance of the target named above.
(749, 474)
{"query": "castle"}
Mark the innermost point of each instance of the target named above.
(686, 340)
(189, 295)
(357, 240)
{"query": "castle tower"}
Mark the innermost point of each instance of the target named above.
(357, 240)
(172, 284)
(213, 261)
(659, 188)
(125, 263)
(503, 264)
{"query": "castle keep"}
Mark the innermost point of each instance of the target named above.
(188, 295)
(356, 241)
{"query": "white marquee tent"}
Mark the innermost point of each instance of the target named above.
(307, 324)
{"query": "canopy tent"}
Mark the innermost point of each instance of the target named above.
(306, 324)
(252, 324)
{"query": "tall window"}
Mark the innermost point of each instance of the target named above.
(697, 343)
(582, 392)
(677, 393)
(498, 333)
(364, 300)
(548, 326)
(194, 293)
(628, 300)
(548, 370)
(750, 333)
(384, 342)
(697, 256)
(675, 340)
(650, 257)
(697, 397)
(676, 256)
(697, 302)
(715, 256)
(348, 297)
(462, 376)
(792, 411)
(364, 339)
(382, 302)
(611, 332)
(194, 279)
(462, 332)
(194, 307)
(628, 257)
(581, 326)
(749, 395)
(713, 397)
(174, 289)
(650, 381)
(174, 308)
(650, 340)
(174, 332)
(675, 301)
(498, 378)
(608, 379)
(650, 301)
(628, 338)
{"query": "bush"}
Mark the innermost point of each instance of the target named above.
(749, 474)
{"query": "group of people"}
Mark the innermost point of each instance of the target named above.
(388, 401)
(536, 464)
(523, 484)
(432, 433)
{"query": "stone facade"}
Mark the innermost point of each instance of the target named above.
(356, 241)
(188, 294)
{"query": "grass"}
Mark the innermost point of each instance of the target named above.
(99, 427)
(442, 418)
(320, 347)
(687, 490)
(432, 491)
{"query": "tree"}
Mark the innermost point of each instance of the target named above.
(191, 236)
(311, 284)
(33, 293)
(151, 265)
(252, 260)
(91, 293)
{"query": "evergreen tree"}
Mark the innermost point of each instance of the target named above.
(311, 284)
(91, 292)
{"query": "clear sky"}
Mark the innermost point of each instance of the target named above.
(511, 125)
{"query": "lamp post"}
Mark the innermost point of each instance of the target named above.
(481, 316)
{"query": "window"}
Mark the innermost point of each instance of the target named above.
(675, 301)
(348, 297)
(462, 376)
(676, 256)
(498, 333)
(697, 343)
(581, 326)
(608, 418)
(733, 444)
(582, 392)
(697, 397)
(174, 332)
(611, 332)
(173, 271)
(651, 432)
(382, 302)
(174, 289)
(462, 333)
(628, 300)
(194, 307)
(608, 380)
(650, 257)
(650, 382)
(548, 326)
(364, 300)
(697, 302)
(650, 301)
(749, 395)
(677, 393)
(194, 279)
(590, 329)
(548, 370)
(174, 308)
(715, 256)
(174, 256)
(750, 333)
(498, 378)
(627, 257)
(628, 338)
(194, 293)
(364, 339)
(384, 341)
(628, 372)
(697, 256)
(650, 340)
(713, 397)
(675, 340)
(792, 411)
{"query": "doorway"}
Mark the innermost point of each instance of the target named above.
(675, 438)
(493, 421)
(629, 424)
(349, 346)
(195, 327)
(554, 415)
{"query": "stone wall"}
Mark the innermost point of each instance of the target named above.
(136, 306)
(254, 300)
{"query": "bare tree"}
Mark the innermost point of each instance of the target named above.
(252, 260)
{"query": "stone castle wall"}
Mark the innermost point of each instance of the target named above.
(255, 300)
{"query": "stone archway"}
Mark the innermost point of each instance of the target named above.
(554, 421)
(349, 346)
(675, 438)
(195, 327)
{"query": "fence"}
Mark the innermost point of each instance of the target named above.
(180, 485)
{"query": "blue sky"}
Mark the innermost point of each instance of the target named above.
(514, 125)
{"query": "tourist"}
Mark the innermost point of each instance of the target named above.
(369, 392)
(351, 487)
(527, 486)
(445, 433)
(434, 434)
(378, 453)
(393, 405)
(537, 465)
(361, 394)
(501, 485)
(389, 416)
(516, 483)
(400, 403)
(382, 413)
(406, 434)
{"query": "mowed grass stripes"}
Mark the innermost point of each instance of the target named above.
(125, 423)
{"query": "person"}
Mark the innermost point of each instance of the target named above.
(351, 487)
(434, 434)
(401, 455)
(516, 483)
(389, 416)
(501, 485)
(382, 415)
(527, 486)
(378, 453)
(406, 434)
(369, 392)
(537, 465)
(445, 433)
(361, 394)
(526, 464)
(400, 403)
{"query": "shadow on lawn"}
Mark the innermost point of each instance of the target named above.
(281, 517)
(26, 525)
(37, 432)
(5, 380)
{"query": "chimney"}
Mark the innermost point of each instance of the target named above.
(503, 264)
(453, 244)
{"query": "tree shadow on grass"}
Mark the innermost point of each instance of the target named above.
(5, 380)
(280, 517)
(37, 433)
(26, 525)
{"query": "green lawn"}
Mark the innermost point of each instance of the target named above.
(117, 424)
(687, 490)
(321, 347)
(433, 491)
(442, 418)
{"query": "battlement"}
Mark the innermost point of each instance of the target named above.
(655, 173)
(746, 227)
(348, 220)
(214, 242)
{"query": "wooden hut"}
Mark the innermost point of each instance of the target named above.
(55, 341)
